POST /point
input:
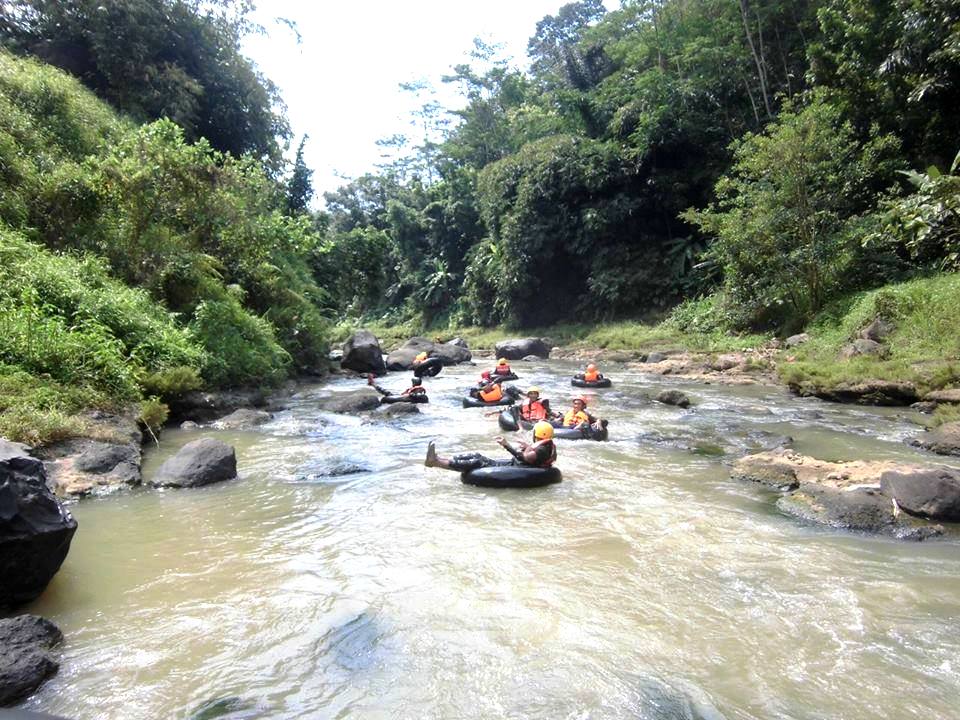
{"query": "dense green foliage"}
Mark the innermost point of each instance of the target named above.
(136, 264)
(665, 150)
(151, 59)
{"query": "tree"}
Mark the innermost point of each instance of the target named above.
(299, 186)
(782, 221)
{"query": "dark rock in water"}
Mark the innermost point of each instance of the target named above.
(449, 353)
(203, 406)
(868, 392)
(530, 358)
(926, 407)
(337, 469)
(859, 509)
(654, 699)
(243, 418)
(655, 357)
(200, 462)
(35, 530)
(398, 410)
(931, 493)
(518, 348)
(362, 353)
(878, 330)
(673, 397)
(354, 401)
(765, 440)
(227, 708)
(945, 440)
(25, 659)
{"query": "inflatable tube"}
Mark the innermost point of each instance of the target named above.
(573, 433)
(474, 402)
(508, 420)
(500, 378)
(512, 476)
(580, 382)
(430, 366)
(391, 399)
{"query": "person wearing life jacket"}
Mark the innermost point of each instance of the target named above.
(578, 416)
(533, 408)
(502, 368)
(541, 453)
(416, 388)
(491, 393)
(419, 358)
(591, 374)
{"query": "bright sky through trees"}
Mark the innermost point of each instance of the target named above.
(341, 82)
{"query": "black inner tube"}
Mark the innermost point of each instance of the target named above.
(391, 399)
(431, 367)
(580, 382)
(508, 419)
(475, 402)
(512, 476)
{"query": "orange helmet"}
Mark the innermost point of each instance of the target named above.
(581, 399)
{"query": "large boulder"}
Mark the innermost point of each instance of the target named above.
(354, 401)
(362, 353)
(202, 406)
(951, 395)
(200, 462)
(80, 466)
(860, 509)
(932, 493)
(945, 440)
(25, 659)
(35, 529)
(518, 348)
(673, 397)
(449, 353)
(867, 392)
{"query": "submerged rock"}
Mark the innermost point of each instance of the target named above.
(398, 410)
(518, 348)
(200, 462)
(673, 397)
(25, 657)
(355, 401)
(362, 353)
(35, 530)
(227, 708)
(243, 418)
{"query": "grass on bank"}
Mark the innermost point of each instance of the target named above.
(923, 348)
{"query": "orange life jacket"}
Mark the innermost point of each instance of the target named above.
(572, 418)
(591, 376)
(415, 390)
(533, 410)
(495, 394)
(552, 458)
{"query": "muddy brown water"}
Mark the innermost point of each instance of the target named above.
(646, 585)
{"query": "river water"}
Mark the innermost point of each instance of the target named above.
(646, 585)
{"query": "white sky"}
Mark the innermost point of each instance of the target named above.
(340, 84)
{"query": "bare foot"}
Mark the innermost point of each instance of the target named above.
(370, 379)
(431, 460)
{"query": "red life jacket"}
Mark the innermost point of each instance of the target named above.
(495, 394)
(533, 410)
(502, 370)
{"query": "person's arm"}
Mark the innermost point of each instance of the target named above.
(519, 454)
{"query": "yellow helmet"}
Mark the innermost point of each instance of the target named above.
(534, 389)
(502, 361)
(542, 431)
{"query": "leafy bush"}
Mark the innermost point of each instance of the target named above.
(241, 348)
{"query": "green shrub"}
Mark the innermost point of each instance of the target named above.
(241, 347)
(153, 414)
(171, 383)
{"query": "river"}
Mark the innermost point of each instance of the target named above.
(646, 585)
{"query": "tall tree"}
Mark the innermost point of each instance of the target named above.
(299, 186)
